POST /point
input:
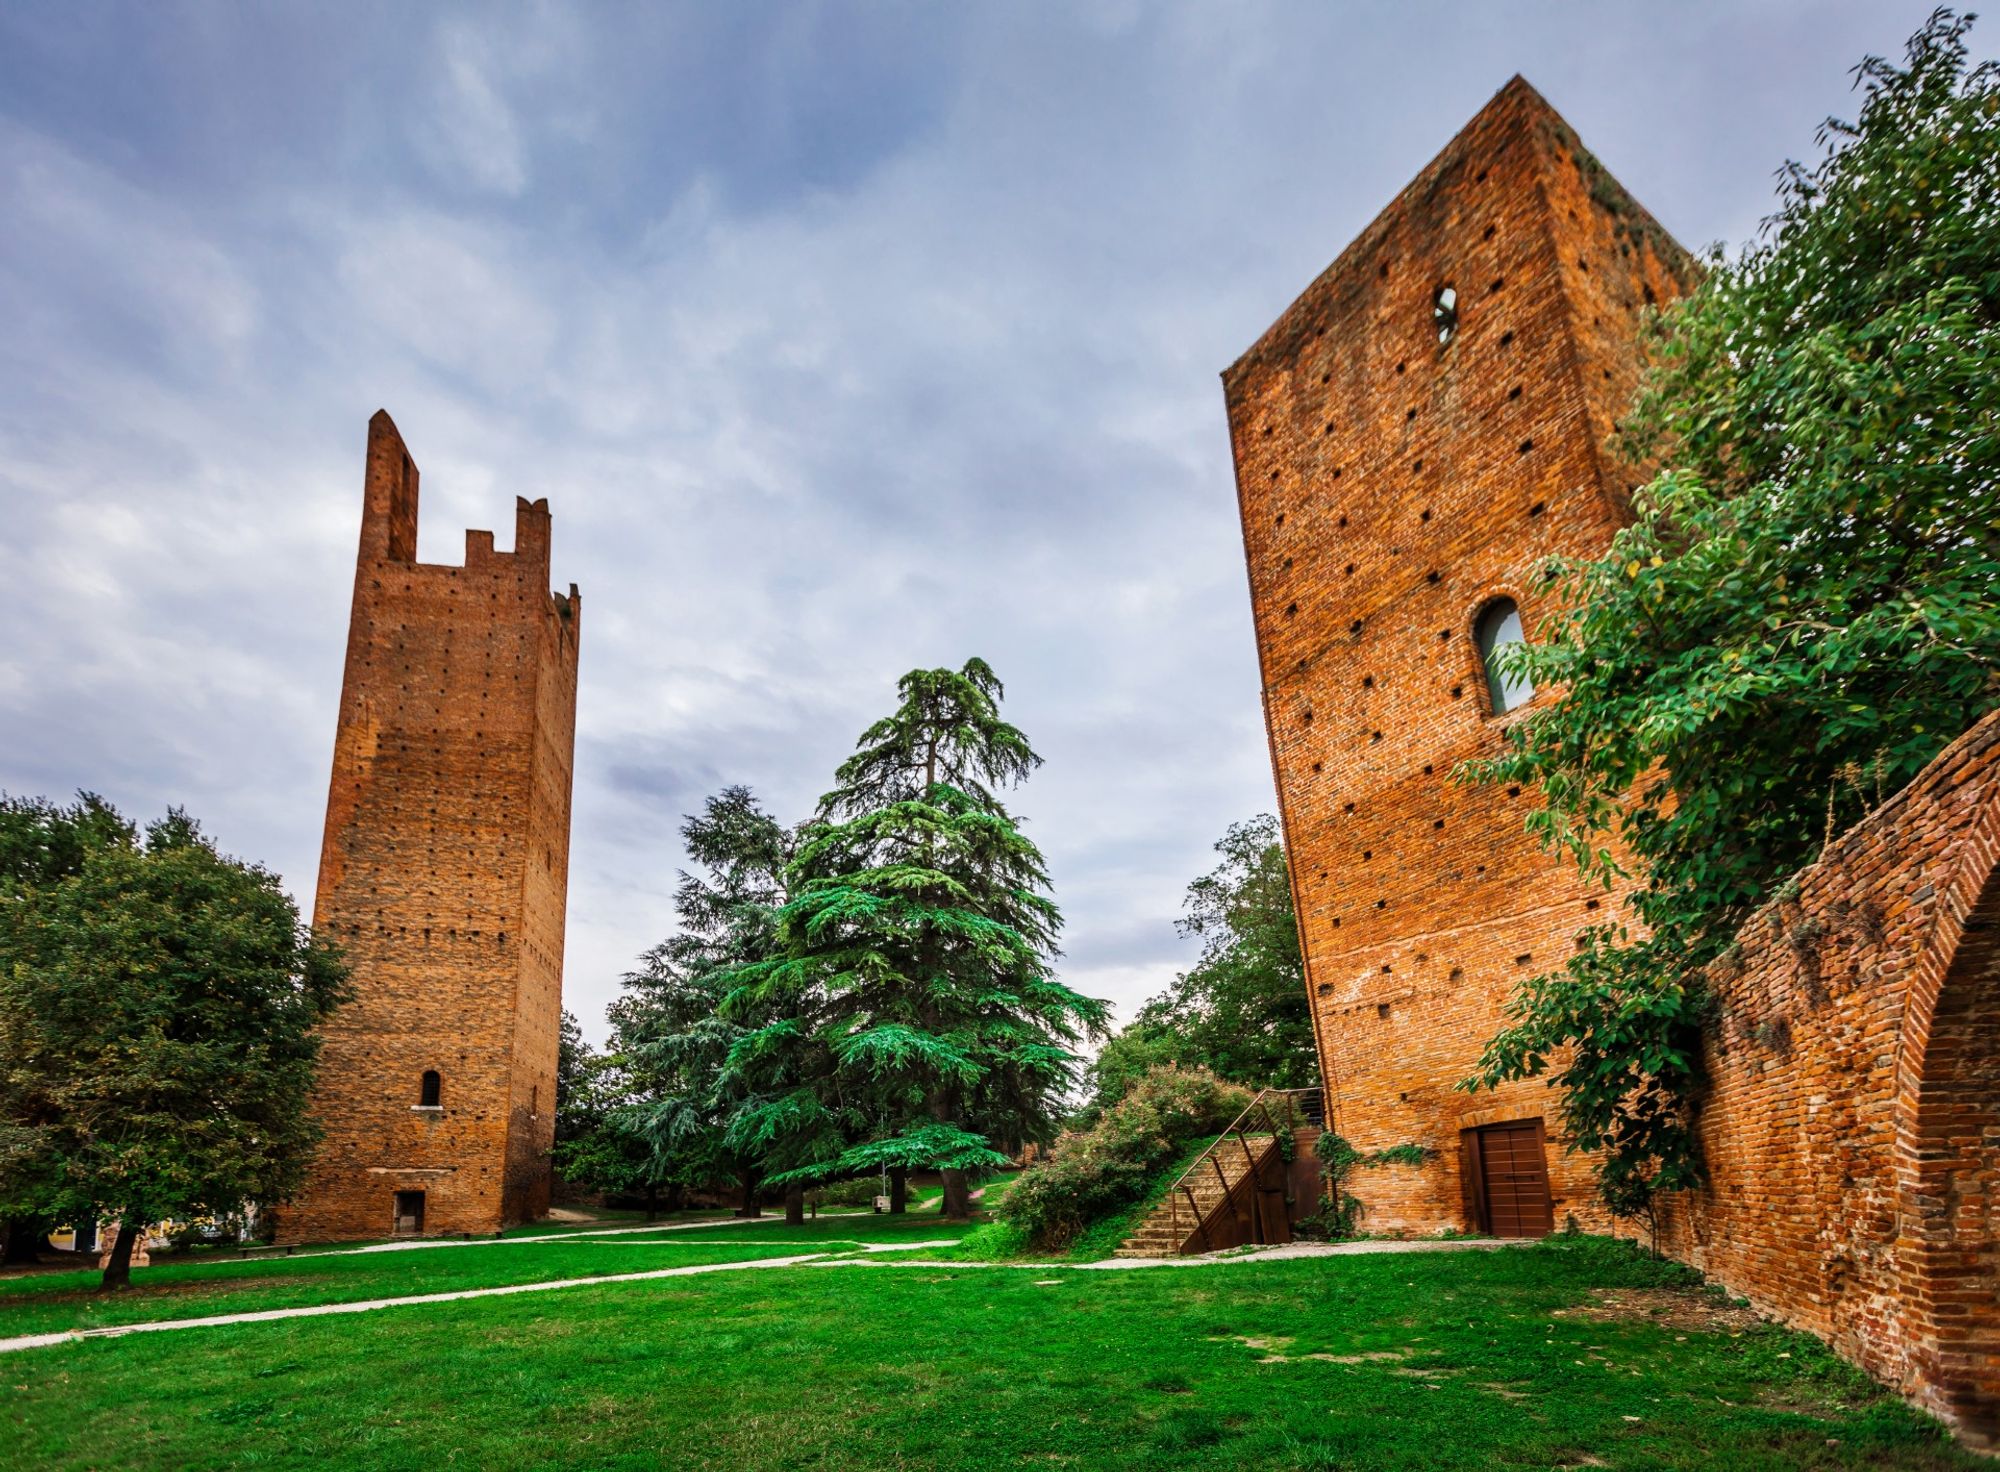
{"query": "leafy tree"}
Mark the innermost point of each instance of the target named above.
(579, 1098)
(1806, 607)
(1127, 1056)
(1242, 1009)
(156, 1013)
(598, 1146)
(41, 843)
(919, 941)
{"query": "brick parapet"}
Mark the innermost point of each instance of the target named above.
(1851, 1124)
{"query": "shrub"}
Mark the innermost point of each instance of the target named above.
(1092, 1173)
(861, 1191)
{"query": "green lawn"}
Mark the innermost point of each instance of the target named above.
(198, 1286)
(1467, 1360)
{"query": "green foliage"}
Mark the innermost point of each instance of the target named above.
(861, 1191)
(616, 1158)
(1103, 1237)
(1127, 1056)
(1241, 1010)
(1805, 609)
(917, 947)
(579, 1102)
(1399, 1155)
(598, 1144)
(42, 842)
(719, 1092)
(157, 1006)
(1339, 1211)
(1094, 1172)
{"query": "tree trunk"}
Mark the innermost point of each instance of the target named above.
(118, 1272)
(748, 1180)
(957, 1196)
(652, 1204)
(25, 1236)
(899, 1189)
(676, 1196)
(795, 1206)
(86, 1236)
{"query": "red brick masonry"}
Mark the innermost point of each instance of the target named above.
(1852, 1129)
(444, 875)
(1392, 485)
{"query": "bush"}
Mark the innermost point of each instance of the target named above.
(861, 1191)
(1092, 1173)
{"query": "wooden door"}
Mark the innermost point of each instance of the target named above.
(1510, 1162)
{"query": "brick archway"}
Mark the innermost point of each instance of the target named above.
(1948, 1141)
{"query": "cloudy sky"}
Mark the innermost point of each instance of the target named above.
(842, 338)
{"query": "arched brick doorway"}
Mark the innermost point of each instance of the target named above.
(1948, 1140)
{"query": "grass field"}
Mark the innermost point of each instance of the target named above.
(198, 1287)
(1571, 1354)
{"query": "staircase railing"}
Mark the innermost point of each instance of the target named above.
(1282, 1111)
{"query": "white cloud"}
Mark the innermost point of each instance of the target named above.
(911, 363)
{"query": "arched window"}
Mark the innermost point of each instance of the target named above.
(1500, 625)
(433, 1089)
(1444, 314)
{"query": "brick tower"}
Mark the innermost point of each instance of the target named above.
(1415, 432)
(444, 875)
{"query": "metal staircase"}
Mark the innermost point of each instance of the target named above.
(1238, 1190)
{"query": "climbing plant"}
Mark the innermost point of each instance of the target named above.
(1339, 1211)
(1805, 608)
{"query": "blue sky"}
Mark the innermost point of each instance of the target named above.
(841, 338)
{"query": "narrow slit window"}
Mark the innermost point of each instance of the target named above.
(1500, 625)
(431, 1093)
(1444, 314)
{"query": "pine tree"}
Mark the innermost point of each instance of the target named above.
(723, 1089)
(919, 943)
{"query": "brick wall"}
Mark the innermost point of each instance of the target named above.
(443, 874)
(1391, 486)
(1852, 1124)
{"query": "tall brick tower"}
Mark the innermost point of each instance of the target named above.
(1415, 432)
(444, 875)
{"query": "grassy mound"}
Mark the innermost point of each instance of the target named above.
(1097, 1181)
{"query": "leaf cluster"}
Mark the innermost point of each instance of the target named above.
(157, 1007)
(1093, 1172)
(1242, 1009)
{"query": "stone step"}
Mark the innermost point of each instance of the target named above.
(1164, 1230)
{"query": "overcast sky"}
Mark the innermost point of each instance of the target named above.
(841, 338)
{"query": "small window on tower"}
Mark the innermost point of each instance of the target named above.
(431, 1094)
(1500, 625)
(1444, 314)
